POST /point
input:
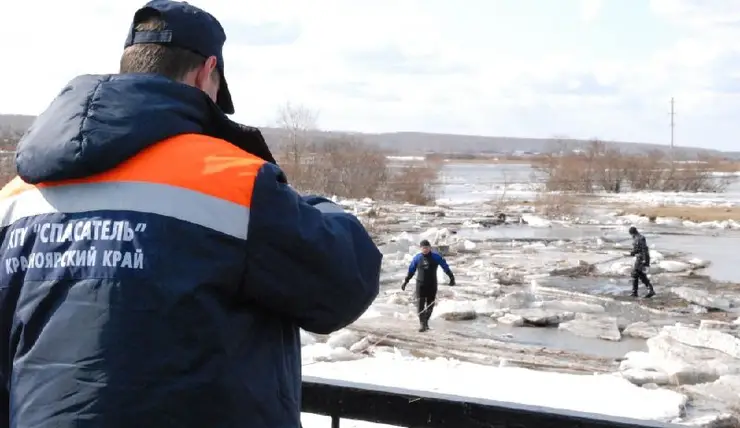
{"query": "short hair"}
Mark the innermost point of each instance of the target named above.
(169, 61)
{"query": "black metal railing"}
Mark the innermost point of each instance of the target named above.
(409, 408)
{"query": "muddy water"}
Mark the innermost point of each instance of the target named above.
(721, 249)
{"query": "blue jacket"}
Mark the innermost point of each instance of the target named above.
(425, 268)
(154, 276)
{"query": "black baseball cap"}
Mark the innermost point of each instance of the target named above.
(188, 27)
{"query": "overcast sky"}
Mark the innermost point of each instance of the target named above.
(527, 68)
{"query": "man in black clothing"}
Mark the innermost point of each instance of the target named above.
(641, 252)
(425, 264)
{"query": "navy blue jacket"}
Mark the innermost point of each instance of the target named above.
(156, 276)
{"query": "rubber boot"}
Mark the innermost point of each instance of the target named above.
(634, 287)
(651, 291)
(423, 325)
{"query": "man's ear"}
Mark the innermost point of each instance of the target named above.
(204, 79)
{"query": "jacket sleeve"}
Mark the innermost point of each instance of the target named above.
(307, 259)
(635, 247)
(443, 264)
(412, 268)
(644, 251)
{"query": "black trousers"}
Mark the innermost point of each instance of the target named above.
(639, 276)
(426, 295)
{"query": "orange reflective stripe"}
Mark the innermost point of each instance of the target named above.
(192, 161)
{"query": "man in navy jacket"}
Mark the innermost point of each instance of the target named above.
(425, 265)
(110, 317)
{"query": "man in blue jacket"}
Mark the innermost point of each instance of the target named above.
(425, 265)
(155, 273)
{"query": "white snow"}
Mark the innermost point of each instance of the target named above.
(343, 338)
(371, 313)
(684, 355)
(468, 245)
(534, 221)
(636, 220)
(724, 224)
(673, 266)
(669, 221)
(406, 158)
(586, 393)
(452, 310)
(620, 268)
(307, 338)
(324, 352)
(632, 219)
(674, 198)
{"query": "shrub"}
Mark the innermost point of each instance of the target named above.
(413, 183)
(345, 165)
(599, 168)
(351, 168)
(557, 205)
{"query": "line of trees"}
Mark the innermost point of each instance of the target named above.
(601, 168)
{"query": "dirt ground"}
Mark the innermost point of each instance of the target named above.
(692, 213)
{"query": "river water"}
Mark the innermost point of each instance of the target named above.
(532, 252)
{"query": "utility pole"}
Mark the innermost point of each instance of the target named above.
(673, 125)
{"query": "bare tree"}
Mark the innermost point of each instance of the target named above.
(350, 167)
(345, 165)
(599, 167)
(499, 203)
(297, 121)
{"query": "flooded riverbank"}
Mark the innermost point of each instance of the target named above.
(545, 295)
